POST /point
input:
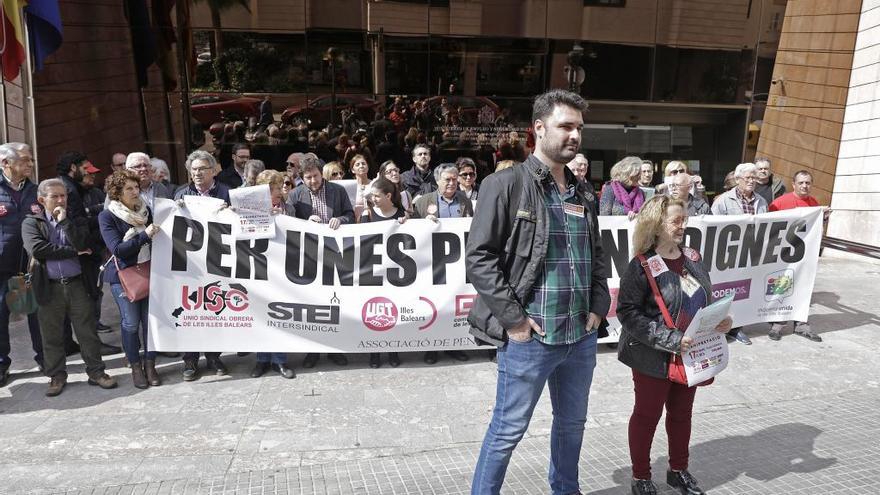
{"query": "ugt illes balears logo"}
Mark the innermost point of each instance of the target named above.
(213, 298)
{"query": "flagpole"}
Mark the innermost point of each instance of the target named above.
(27, 87)
(4, 117)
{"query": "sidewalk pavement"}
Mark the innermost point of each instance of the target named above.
(792, 417)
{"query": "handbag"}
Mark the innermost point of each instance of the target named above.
(20, 297)
(676, 371)
(135, 280)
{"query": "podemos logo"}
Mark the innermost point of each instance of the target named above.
(779, 285)
(379, 314)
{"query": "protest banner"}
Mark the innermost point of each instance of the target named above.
(391, 287)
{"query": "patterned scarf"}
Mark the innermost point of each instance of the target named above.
(632, 201)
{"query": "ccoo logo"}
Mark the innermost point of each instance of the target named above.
(379, 314)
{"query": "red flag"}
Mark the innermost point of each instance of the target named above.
(12, 38)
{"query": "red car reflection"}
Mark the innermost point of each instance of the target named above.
(317, 112)
(208, 108)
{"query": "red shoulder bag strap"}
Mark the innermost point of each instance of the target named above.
(657, 297)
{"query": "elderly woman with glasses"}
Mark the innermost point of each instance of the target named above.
(622, 195)
(276, 361)
(647, 343)
(333, 171)
(674, 168)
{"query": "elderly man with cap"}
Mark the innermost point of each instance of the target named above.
(18, 198)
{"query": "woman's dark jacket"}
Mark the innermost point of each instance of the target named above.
(646, 343)
(113, 230)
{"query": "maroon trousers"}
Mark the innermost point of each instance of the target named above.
(651, 395)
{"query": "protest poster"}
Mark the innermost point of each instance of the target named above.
(390, 287)
(708, 355)
(253, 205)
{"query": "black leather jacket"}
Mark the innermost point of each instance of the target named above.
(646, 343)
(507, 245)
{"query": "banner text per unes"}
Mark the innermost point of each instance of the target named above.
(306, 253)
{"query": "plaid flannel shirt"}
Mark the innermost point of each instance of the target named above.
(560, 302)
(319, 204)
(748, 205)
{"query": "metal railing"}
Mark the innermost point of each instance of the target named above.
(851, 247)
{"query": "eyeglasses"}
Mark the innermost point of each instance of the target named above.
(750, 178)
(336, 174)
(389, 171)
(466, 174)
(199, 170)
(676, 172)
(288, 183)
(244, 157)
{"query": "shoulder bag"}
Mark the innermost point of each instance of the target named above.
(676, 371)
(135, 280)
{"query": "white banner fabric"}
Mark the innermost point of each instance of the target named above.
(390, 287)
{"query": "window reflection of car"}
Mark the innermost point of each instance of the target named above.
(317, 112)
(207, 107)
(470, 106)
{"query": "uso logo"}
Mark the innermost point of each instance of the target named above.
(379, 314)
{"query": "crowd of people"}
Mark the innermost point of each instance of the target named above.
(73, 237)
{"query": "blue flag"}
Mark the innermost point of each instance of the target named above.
(44, 29)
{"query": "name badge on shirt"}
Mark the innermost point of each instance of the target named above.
(689, 285)
(572, 209)
(657, 265)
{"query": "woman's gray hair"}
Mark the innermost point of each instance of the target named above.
(159, 164)
(43, 188)
(252, 169)
(200, 155)
(744, 168)
(625, 169)
(444, 167)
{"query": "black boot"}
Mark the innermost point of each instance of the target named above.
(644, 487)
(683, 482)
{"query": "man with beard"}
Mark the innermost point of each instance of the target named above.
(536, 261)
(419, 179)
(72, 167)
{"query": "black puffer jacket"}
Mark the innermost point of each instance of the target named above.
(646, 343)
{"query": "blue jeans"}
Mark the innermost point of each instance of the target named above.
(33, 327)
(134, 316)
(523, 369)
(274, 357)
